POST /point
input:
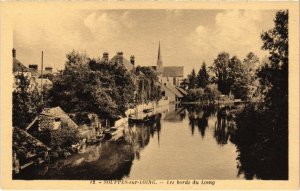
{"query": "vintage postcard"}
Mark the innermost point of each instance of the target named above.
(149, 95)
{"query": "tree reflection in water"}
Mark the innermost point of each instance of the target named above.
(108, 160)
(198, 116)
(224, 125)
(262, 143)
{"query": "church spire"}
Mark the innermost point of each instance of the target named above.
(158, 57)
(159, 61)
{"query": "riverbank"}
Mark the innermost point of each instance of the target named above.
(178, 140)
(91, 133)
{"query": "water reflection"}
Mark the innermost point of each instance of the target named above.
(262, 144)
(145, 149)
(138, 135)
(224, 126)
(175, 115)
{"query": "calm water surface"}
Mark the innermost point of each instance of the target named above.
(187, 143)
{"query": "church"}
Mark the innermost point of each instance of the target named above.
(170, 78)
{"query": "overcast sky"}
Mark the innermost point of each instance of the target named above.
(188, 37)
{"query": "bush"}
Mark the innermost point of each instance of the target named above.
(208, 95)
(65, 137)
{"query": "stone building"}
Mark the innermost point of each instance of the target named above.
(170, 78)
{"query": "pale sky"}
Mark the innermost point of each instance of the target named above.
(188, 37)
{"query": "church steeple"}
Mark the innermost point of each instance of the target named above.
(159, 67)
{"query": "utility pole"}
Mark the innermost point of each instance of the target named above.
(42, 77)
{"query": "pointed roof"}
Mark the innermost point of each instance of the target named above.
(159, 68)
(55, 112)
(171, 88)
(119, 58)
(19, 66)
(173, 71)
(159, 56)
(174, 90)
(25, 145)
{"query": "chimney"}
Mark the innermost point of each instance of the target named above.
(120, 57)
(105, 56)
(48, 69)
(14, 53)
(33, 66)
(120, 54)
(132, 59)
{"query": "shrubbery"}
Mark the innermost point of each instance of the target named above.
(210, 94)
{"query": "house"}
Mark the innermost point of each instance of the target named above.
(18, 66)
(33, 69)
(172, 75)
(169, 79)
(27, 150)
(31, 73)
(49, 120)
(119, 59)
(168, 74)
(171, 92)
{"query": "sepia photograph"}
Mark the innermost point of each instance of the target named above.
(150, 94)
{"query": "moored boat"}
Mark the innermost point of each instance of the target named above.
(113, 133)
(147, 119)
(148, 110)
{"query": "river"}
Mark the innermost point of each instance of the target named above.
(187, 143)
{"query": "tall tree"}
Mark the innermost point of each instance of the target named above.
(276, 73)
(238, 79)
(251, 61)
(192, 79)
(147, 88)
(251, 64)
(79, 89)
(21, 102)
(202, 77)
(264, 151)
(221, 70)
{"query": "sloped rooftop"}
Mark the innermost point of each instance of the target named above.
(19, 66)
(47, 117)
(120, 59)
(173, 71)
(25, 145)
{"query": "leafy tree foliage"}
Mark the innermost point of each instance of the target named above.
(238, 78)
(78, 88)
(147, 88)
(21, 102)
(231, 76)
(27, 102)
(202, 77)
(206, 96)
(212, 92)
(65, 136)
(192, 80)
(251, 64)
(276, 73)
(264, 151)
(221, 70)
(108, 89)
